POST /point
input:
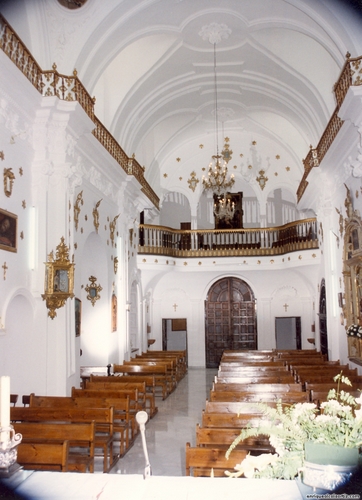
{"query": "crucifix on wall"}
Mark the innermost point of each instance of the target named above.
(175, 306)
(286, 306)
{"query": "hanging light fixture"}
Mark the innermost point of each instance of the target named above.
(224, 208)
(218, 180)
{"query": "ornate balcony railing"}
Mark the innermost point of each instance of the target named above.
(69, 88)
(351, 75)
(160, 240)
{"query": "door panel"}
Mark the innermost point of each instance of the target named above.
(230, 319)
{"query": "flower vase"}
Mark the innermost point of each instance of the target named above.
(328, 467)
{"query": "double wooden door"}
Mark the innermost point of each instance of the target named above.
(230, 319)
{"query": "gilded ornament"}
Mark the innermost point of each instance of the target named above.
(112, 228)
(193, 181)
(2, 156)
(262, 179)
(93, 290)
(78, 202)
(9, 178)
(95, 213)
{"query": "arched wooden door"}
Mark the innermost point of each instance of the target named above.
(230, 319)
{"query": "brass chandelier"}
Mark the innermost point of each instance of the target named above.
(218, 180)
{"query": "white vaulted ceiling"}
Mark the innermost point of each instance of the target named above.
(151, 72)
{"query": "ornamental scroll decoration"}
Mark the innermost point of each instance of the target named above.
(59, 279)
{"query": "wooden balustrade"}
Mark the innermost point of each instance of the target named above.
(300, 235)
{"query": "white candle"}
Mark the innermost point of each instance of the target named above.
(4, 401)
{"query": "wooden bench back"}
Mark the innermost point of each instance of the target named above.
(66, 414)
(79, 435)
(132, 394)
(44, 456)
(252, 369)
(149, 380)
(211, 461)
(260, 397)
(140, 369)
(223, 437)
(230, 420)
(250, 363)
(217, 386)
(281, 378)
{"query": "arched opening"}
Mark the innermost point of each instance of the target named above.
(230, 319)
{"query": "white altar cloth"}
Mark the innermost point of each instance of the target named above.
(64, 486)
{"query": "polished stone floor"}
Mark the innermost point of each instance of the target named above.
(169, 430)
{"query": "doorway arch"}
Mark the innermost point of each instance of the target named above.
(230, 319)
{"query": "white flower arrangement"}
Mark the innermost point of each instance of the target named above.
(354, 331)
(338, 422)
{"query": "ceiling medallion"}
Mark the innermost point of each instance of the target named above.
(72, 4)
(215, 32)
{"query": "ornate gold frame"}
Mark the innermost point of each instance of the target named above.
(59, 279)
(93, 290)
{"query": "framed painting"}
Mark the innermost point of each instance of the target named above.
(78, 316)
(8, 231)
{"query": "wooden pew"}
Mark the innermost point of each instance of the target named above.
(243, 407)
(240, 370)
(170, 377)
(236, 363)
(325, 378)
(43, 456)
(212, 437)
(123, 419)
(179, 356)
(137, 403)
(80, 435)
(220, 386)
(260, 397)
(211, 461)
(300, 372)
(280, 378)
(148, 380)
(146, 399)
(87, 371)
(103, 417)
(320, 396)
(230, 420)
(158, 372)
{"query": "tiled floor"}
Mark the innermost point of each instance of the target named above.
(173, 426)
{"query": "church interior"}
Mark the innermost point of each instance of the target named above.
(177, 176)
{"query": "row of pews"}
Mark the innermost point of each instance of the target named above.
(245, 378)
(99, 419)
